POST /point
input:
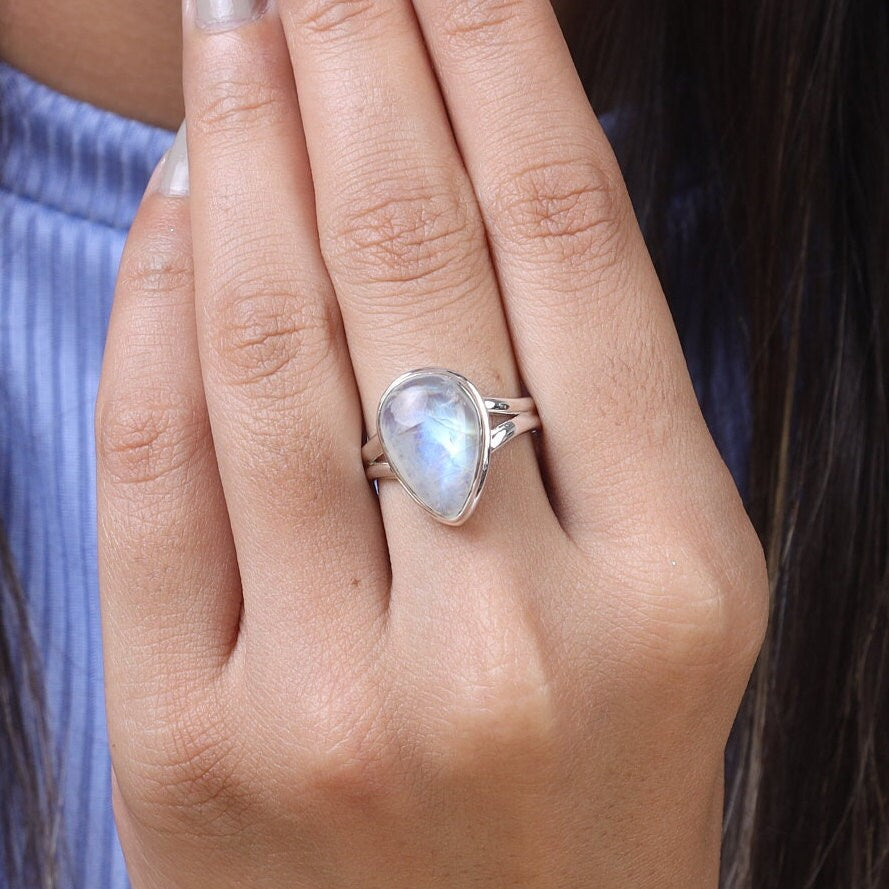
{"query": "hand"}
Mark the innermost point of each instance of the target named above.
(309, 686)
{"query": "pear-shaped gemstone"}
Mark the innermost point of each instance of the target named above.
(432, 431)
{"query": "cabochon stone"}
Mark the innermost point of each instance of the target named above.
(432, 433)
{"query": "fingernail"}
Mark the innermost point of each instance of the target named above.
(220, 15)
(174, 176)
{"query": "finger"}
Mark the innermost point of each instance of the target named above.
(403, 239)
(169, 578)
(280, 389)
(590, 324)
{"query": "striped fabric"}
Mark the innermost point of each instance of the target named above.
(71, 177)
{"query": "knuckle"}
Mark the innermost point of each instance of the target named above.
(349, 755)
(499, 719)
(715, 623)
(748, 591)
(262, 333)
(326, 18)
(236, 106)
(691, 627)
(734, 570)
(410, 234)
(576, 210)
(500, 704)
(346, 774)
(160, 265)
(476, 21)
(147, 437)
(186, 772)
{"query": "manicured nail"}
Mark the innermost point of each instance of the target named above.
(220, 15)
(174, 176)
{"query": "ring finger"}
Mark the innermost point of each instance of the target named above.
(403, 240)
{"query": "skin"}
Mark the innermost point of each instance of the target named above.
(124, 55)
(311, 686)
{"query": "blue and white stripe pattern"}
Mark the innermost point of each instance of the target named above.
(71, 177)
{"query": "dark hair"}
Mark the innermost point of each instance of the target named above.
(774, 114)
(30, 850)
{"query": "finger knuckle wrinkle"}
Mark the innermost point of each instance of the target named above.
(146, 438)
(477, 21)
(407, 237)
(574, 208)
(236, 106)
(158, 267)
(330, 18)
(262, 333)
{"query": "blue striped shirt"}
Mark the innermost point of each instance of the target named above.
(71, 177)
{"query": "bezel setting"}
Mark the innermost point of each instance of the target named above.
(483, 458)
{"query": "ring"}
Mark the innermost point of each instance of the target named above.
(434, 434)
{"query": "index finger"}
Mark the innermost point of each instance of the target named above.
(591, 328)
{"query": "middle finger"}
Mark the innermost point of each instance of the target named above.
(403, 240)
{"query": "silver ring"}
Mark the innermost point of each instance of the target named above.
(435, 435)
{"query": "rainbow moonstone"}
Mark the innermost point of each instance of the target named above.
(432, 432)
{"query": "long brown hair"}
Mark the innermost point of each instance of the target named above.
(776, 115)
(30, 841)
